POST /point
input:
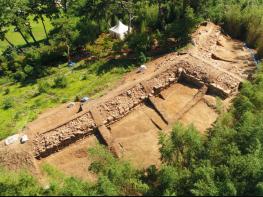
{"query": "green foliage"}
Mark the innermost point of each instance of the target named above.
(140, 42)
(227, 162)
(60, 81)
(6, 91)
(182, 147)
(103, 46)
(19, 76)
(18, 184)
(259, 189)
(142, 58)
(43, 86)
(116, 177)
(182, 28)
(7, 103)
(245, 21)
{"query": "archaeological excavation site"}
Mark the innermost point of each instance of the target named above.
(182, 86)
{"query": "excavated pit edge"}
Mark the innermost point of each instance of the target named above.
(108, 112)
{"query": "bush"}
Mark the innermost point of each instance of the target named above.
(77, 99)
(60, 82)
(6, 91)
(29, 70)
(103, 46)
(83, 77)
(19, 76)
(43, 86)
(142, 58)
(245, 22)
(182, 28)
(18, 184)
(140, 42)
(7, 103)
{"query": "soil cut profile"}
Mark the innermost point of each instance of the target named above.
(176, 87)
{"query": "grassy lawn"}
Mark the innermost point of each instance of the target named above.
(17, 39)
(83, 80)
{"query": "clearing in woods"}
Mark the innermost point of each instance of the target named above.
(181, 87)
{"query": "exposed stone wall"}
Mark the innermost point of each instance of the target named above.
(115, 108)
(119, 106)
(52, 140)
(214, 78)
(195, 65)
(164, 79)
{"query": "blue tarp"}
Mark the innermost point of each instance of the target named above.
(70, 64)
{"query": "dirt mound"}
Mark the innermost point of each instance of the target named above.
(14, 158)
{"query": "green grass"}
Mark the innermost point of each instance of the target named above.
(16, 38)
(27, 104)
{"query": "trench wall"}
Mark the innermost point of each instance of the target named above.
(112, 110)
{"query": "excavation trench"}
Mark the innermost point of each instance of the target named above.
(176, 87)
(156, 108)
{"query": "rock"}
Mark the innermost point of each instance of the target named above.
(171, 79)
(129, 93)
(171, 40)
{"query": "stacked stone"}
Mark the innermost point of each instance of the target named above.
(52, 140)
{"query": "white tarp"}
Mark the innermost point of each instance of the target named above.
(119, 30)
(12, 139)
(24, 139)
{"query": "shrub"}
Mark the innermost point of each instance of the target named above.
(29, 70)
(19, 76)
(77, 99)
(83, 77)
(18, 184)
(7, 103)
(245, 22)
(43, 86)
(60, 82)
(142, 58)
(6, 91)
(140, 42)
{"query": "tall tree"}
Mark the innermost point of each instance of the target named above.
(39, 8)
(20, 14)
(4, 21)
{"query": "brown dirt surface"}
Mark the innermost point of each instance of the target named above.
(17, 158)
(73, 160)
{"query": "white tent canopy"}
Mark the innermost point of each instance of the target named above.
(119, 30)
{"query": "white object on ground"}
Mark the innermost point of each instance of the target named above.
(142, 68)
(84, 99)
(12, 139)
(23, 139)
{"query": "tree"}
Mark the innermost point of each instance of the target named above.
(39, 8)
(66, 33)
(129, 7)
(116, 177)
(19, 14)
(4, 21)
(182, 147)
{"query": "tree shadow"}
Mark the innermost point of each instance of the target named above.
(116, 63)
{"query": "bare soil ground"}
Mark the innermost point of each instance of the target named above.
(73, 160)
(201, 116)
